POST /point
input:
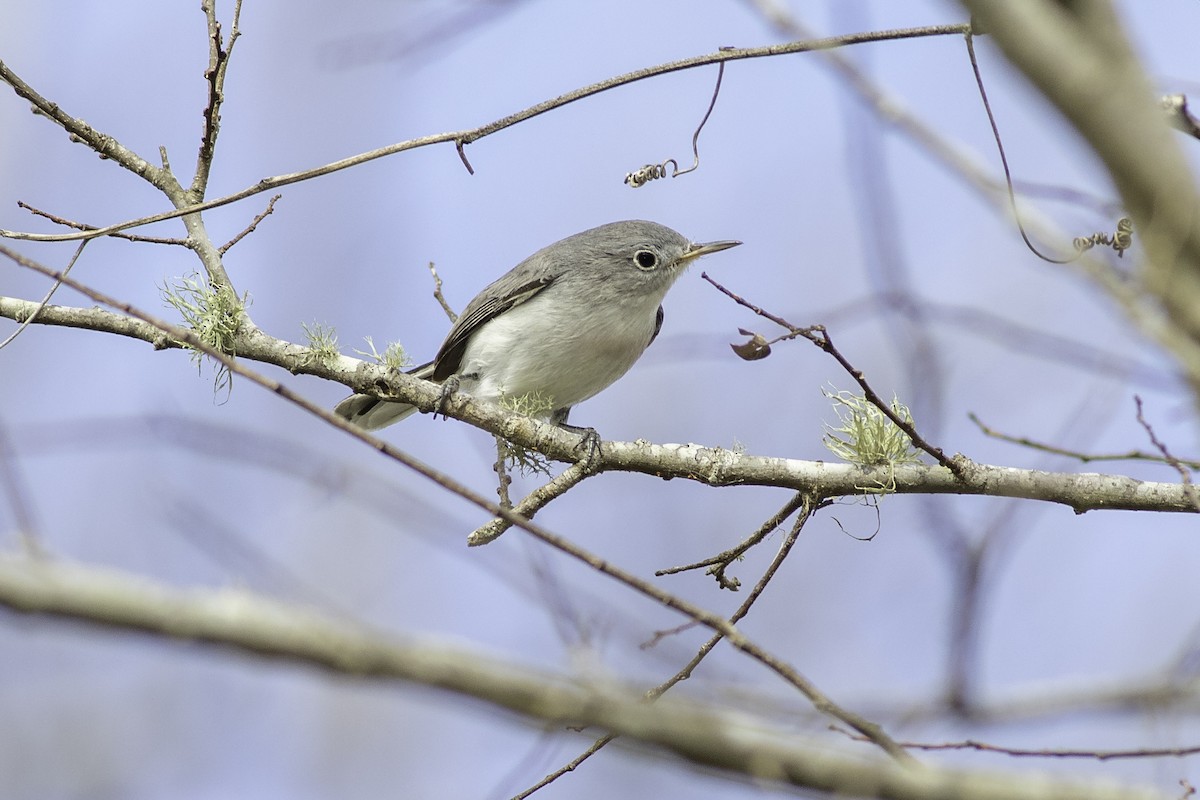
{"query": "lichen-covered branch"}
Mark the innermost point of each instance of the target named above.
(714, 466)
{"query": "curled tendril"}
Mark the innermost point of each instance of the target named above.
(1120, 240)
(652, 172)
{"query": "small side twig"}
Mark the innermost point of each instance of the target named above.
(722, 561)
(219, 51)
(1020, 752)
(45, 300)
(503, 479)
(570, 766)
(249, 229)
(535, 501)
(658, 636)
(1085, 458)
(80, 226)
(437, 294)
(1185, 474)
(825, 342)
(460, 145)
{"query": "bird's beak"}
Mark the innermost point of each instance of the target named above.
(697, 250)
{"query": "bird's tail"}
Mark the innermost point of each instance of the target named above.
(371, 413)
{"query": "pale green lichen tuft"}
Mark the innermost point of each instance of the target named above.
(394, 356)
(214, 314)
(533, 404)
(322, 344)
(866, 436)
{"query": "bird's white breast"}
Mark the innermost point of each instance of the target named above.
(565, 352)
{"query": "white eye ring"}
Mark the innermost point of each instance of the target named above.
(645, 260)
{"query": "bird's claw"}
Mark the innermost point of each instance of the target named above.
(449, 387)
(588, 447)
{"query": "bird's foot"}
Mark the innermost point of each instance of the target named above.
(449, 387)
(588, 447)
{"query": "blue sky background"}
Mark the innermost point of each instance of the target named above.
(132, 463)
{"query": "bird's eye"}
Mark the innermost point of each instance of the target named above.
(645, 259)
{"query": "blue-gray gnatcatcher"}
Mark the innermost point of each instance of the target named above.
(560, 326)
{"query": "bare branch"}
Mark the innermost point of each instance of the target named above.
(219, 50)
(129, 237)
(30, 317)
(105, 146)
(437, 293)
(731, 742)
(1185, 475)
(465, 137)
(1097, 754)
(535, 501)
(253, 226)
(721, 562)
(1025, 441)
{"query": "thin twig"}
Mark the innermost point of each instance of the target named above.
(104, 145)
(219, 52)
(25, 323)
(249, 229)
(658, 636)
(818, 335)
(721, 561)
(84, 227)
(809, 506)
(570, 766)
(1185, 474)
(1020, 752)
(437, 294)
(503, 479)
(535, 501)
(1086, 458)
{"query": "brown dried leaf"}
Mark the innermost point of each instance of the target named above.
(754, 348)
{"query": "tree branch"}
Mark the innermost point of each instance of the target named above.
(463, 137)
(713, 466)
(711, 737)
(105, 146)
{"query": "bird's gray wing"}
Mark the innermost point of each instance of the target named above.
(487, 305)
(658, 319)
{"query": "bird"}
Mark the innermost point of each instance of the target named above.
(561, 326)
